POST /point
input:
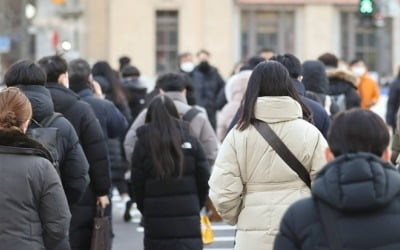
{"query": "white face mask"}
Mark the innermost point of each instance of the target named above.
(358, 71)
(187, 67)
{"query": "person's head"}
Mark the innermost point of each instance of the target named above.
(358, 130)
(130, 71)
(186, 62)
(164, 141)
(292, 64)
(185, 57)
(168, 82)
(269, 78)
(203, 55)
(329, 60)
(56, 68)
(102, 69)
(79, 72)
(266, 53)
(253, 62)
(25, 72)
(314, 77)
(124, 61)
(15, 110)
(358, 67)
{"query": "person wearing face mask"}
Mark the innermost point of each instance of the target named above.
(368, 88)
(208, 86)
(186, 64)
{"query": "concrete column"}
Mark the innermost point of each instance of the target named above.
(219, 33)
(97, 29)
(318, 34)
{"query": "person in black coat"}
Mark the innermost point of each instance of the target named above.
(170, 180)
(341, 81)
(90, 134)
(316, 83)
(111, 119)
(134, 89)
(30, 78)
(208, 85)
(393, 102)
(358, 192)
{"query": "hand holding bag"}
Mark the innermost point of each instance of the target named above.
(101, 231)
(207, 233)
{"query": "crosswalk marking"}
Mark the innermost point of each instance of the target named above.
(222, 227)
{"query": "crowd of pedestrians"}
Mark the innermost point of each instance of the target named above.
(286, 151)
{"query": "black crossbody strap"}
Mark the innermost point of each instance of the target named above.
(281, 149)
(328, 219)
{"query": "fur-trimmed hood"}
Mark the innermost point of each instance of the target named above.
(343, 75)
(19, 141)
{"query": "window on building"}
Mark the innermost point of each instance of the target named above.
(266, 29)
(364, 40)
(166, 41)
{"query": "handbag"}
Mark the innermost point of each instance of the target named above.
(281, 149)
(101, 231)
(328, 219)
(207, 233)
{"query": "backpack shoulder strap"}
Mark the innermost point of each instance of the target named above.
(46, 122)
(328, 220)
(281, 149)
(189, 115)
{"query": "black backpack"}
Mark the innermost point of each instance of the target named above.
(190, 114)
(48, 136)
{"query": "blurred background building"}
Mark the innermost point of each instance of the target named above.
(154, 32)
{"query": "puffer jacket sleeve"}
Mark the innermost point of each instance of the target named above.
(95, 148)
(138, 177)
(318, 159)
(393, 103)
(207, 136)
(53, 207)
(116, 122)
(202, 172)
(74, 168)
(226, 185)
(131, 137)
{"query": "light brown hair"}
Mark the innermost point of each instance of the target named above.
(15, 108)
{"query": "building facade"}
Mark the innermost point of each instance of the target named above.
(154, 32)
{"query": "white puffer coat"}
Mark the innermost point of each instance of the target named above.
(251, 186)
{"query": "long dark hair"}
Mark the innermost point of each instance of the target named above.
(102, 68)
(163, 141)
(268, 79)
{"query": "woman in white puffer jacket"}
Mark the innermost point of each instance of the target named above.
(251, 186)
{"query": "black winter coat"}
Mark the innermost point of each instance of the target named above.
(343, 82)
(90, 133)
(114, 126)
(73, 164)
(207, 87)
(393, 103)
(171, 207)
(364, 191)
(135, 92)
(34, 211)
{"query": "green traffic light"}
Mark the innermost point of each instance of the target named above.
(366, 6)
